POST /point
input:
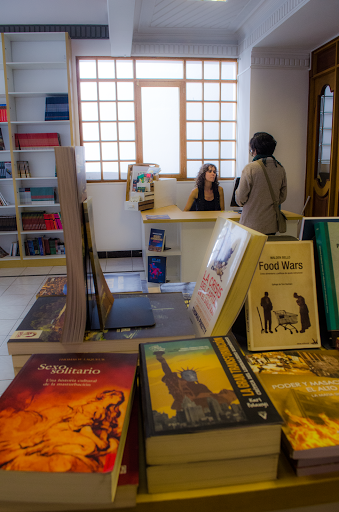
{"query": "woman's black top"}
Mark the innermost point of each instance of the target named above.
(201, 204)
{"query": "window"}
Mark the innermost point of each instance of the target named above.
(176, 113)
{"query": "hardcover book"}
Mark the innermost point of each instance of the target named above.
(281, 306)
(157, 269)
(224, 278)
(303, 385)
(63, 426)
(202, 402)
(327, 236)
(156, 240)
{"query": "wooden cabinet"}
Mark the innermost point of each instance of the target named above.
(34, 66)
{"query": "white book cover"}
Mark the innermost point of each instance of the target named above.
(222, 259)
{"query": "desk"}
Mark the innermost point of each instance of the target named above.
(188, 233)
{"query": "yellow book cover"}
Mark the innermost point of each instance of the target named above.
(281, 306)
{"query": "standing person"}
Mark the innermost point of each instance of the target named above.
(303, 310)
(253, 192)
(207, 194)
(266, 304)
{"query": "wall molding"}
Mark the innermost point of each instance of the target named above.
(74, 31)
(262, 58)
(184, 50)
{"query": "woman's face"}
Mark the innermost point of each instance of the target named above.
(211, 173)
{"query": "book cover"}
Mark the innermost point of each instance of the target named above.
(63, 426)
(201, 401)
(327, 235)
(304, 387)
(225, 275)
(156, 240)
(281, 306)
(157, 269)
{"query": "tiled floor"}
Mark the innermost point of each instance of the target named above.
(18, 289)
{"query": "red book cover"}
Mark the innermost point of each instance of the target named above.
(63, 422)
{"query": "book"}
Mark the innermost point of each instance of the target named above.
(64, 421)
(57, 108)
(28, 141)
(326, 234)
(225, 276)
(156, 240)
(3, 253)
(41, 329)
(281, 307)
(157, 269)
(201, 401)
(303, 385)
(2, 143)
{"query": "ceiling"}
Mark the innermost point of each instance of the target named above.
(298, 24)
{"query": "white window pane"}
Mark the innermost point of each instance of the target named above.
(125, 91)
(88, 91)
(126, 131)
(211, 149)
(211, 92)
(124, 169)
(211, 70)
(193, 168)
(107, 91)
(89, 111)
(227, 150)
(213, 162)
(194, 70)
(92, 150)
(211, 131)
(110, 170)
(87, 69)
(108, 111)
(228, 92)
(90, 131)
(194, 149)
(227, 131)
(327, 120)
(326, 153)
(161, 127)
(228, 70)
(328, 104)
(124, 68)
(194, 111)
(227, 169)
(327, 136)
(93, 170)
(125, 111)
(109, 150)
(211, 111)
(194, 91)
(193, 131)
(228, 111)
(108, 131)
(159, 69)
(106, 69)
(127, 150)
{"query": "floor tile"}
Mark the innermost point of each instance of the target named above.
(119, 265)
(57, 270)
(21, 289)
(3, 346)
(11, 313)
(3, 289)
(6, 281)
(15, 327)
(6, 368)
(7, 326)
(138, 264)
(36, 271)
(29, 280)
(3, 385)
(26, 309)
(11, 271)
(14, 300)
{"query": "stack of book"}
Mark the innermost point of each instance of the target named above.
(40, 220)
(303, 385)
(56, 108)
(25, 195)
(39, 196)
(3, 113)
(43, 246)
(28, 141)
(207, 419)
(3, 201)
(23, 169)
(5, 170)
(8, 223)
(14, 249)
(2, 143)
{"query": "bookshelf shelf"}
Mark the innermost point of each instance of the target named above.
(33, 67)
(4, 233)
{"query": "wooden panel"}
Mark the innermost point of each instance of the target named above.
(320, 205)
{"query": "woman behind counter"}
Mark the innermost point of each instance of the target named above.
(253, 193)
(207, 194)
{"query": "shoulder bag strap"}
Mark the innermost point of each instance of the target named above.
(275, 202)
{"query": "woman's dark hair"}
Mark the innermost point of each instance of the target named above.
(263, 143)
(200, 179)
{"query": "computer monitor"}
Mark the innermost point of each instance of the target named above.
(233, 202)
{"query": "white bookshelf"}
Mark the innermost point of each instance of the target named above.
(33, 66)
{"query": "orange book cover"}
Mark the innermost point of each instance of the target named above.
(63, 426)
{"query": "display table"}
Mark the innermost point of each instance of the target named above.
(187, 235)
